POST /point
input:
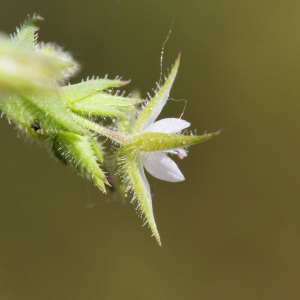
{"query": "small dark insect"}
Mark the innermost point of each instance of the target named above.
(36, 125)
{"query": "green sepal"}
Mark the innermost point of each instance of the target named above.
(153, 141)
(26, 36)
(96, 147)
(156, 104)
(21, 111)
(54, 114)
(76, 92)
(46, 110)
(57, 150)
(102, 104)
(136, 177)
(79, 151)
(61, 59)
(124, 125)
(37, 135)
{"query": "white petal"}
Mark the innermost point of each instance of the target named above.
(161, 166)
(179, 151)
(169, 125)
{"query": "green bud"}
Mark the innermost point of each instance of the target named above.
(61, 59)
(24, 70)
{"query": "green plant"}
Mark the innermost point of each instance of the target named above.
(34, 96)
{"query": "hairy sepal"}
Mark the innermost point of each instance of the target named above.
(152, 141)
(77, 92)
(154, 107)
(102, 104)
(54, 113)
(26, 36)
(140, 186)
(80, 152)
(62, 59)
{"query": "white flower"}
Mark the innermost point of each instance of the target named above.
(146, 147)
(157, 163)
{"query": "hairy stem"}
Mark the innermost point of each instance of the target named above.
(114, 136)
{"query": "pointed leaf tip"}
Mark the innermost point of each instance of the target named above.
(39, 18)
(155, 106)
(159, 242)
(26, 36)
(217, 132)
(156, 235)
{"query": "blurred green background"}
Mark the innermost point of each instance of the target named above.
(231, 230)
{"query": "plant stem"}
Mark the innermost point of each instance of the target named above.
(114, 136)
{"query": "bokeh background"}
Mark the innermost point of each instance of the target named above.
(231, 230)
